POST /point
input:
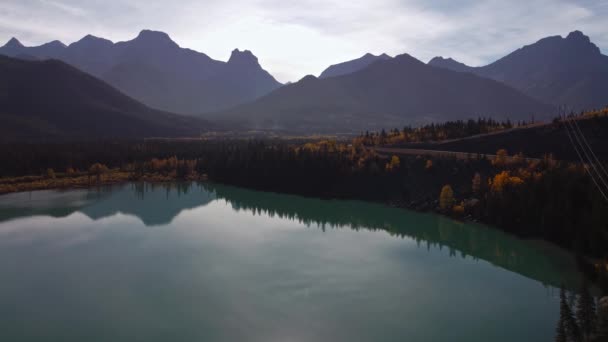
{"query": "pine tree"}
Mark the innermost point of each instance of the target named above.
(560, 334)
(561, 331)
(585, 311)
(602, 320)
(565, 314)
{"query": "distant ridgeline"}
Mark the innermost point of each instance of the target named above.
(373, 92)
(387, 93)
(153, 69)
(368, 93)
(560, 71)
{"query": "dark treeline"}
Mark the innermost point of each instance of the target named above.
(437, 131)
(33, 159)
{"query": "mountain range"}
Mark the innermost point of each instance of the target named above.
(387, 93)
(156, 71)
(569, 71)
(51, 100)
(378, 91)
(97, 88)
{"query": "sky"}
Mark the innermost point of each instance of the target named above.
(294, 38)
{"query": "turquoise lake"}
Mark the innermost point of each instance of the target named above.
(207, 262)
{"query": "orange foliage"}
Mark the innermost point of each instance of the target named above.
(501, 158)
(504, 180)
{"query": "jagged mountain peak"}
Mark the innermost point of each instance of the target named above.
(578, 36)
(55, 44)
(448, 63)
(244, 57)
(14, 43)
(145, 33)
(369, 54)
(578, 40)
(374, 57)
(149, 37)
(90, 39)
(407, 58)
(442, 59)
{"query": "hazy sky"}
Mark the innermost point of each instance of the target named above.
(300, 37)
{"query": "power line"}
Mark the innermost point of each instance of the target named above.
(586, 153)
(583, 161)
(591, 150)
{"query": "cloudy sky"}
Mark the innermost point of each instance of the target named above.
(293, 38)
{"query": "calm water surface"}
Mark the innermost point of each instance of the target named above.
(203, 262)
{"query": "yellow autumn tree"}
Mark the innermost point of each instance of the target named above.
(501, 158)
(393, 164)
(503, 180)
(446, 198)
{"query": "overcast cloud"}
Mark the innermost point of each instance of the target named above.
(296, 38)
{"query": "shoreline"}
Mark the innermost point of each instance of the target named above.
(82, 181)
(122, 177)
